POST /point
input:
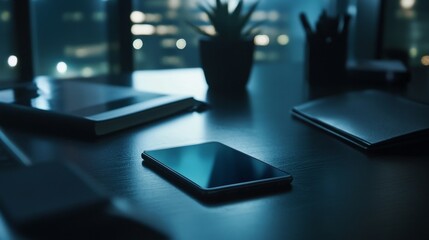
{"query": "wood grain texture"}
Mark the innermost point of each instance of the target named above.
(338, 192)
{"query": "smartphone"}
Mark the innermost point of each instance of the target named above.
(214, 169)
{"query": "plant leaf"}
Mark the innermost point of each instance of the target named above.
(198, 29)
(237, 11)
(252, 31)
(209, 13)
(228, 25)
(246, 17)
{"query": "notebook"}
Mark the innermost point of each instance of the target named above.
(369, 119)
(87, 108)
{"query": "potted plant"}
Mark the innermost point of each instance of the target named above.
(227, 54)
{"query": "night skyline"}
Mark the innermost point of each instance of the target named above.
(71, 38)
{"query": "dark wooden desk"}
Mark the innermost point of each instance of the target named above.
(338, 192)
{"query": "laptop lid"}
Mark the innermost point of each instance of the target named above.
(10, 154)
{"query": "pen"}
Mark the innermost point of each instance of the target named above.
(306, 25)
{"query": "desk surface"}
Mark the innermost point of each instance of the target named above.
(337, 192)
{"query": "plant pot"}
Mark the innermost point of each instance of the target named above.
(226, 65)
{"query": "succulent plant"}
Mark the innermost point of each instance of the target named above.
(228, 25)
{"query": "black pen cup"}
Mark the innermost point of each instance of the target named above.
(326, 58)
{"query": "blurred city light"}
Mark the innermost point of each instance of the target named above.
(413, 52)
(137, 44)
(181, 43)
(137, 17)
(425, 60)
(87, 72)
(262, 40)
(62, 67)
(166, 29)
(273, 16)
(73, 16)
(12, 61)
(5, 16)
(283, 39)
(143, 29)
(407, 4)
(153, 17)
(168, 43)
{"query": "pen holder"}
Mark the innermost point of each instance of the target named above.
(326, 59)
(326, 49)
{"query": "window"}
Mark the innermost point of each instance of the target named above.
(8, 59)
(78, 38)
(70, 37)
(162, 38)
(406, 31)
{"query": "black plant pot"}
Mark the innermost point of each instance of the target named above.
(226, 65)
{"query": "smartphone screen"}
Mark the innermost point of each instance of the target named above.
(214, 167)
